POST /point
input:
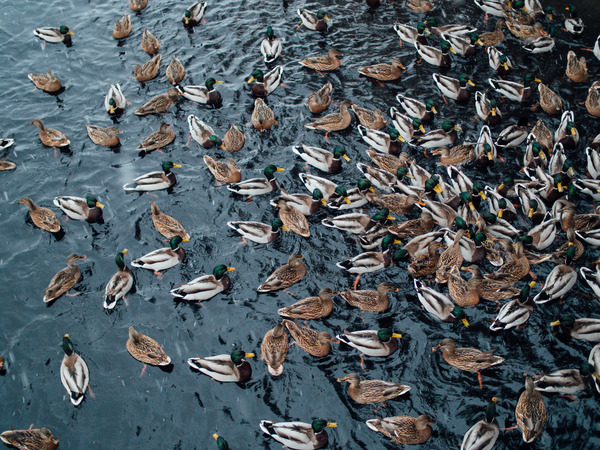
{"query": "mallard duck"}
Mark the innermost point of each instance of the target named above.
(157, 139)
(513, 270)
(592, 101)
(576, 68)
(163, 258)
(453, 28)
(194, 14)
(54, 34)
(499, 206)
(410, 34)
(381, 179)
(259, 232)
(367, 300)
(531, 204)
(491, 38)
(574, 24)
(258, 186)
(383, 71)
(224, 171)
(153, 181)
(372, 391)
(543, 134)
(265, 84)
(313, 20)
(64, 279)
(460, 291)
(543, 235)
(404, 429)
(202, 133)
(319, 101)
(149, 43)
(158, 103)
(396, 203)
(381, 342)
(206, 95)
(440, 137)
(262, 116)
(419, 243)
(498, 61)
(513, 90)
(372, 119)
(417, 109)
(425, 264)
(456, 155)
(49, 136)
(550, 101)
(167, 225)
(119, 284)
(592, 278)
(357, 223)
(513, 135)
(419, 6)
(525, 31)
(452, 256)
(314, 343)
(390, 142)
(88, 209)
(584, 328)
(270, 46)
(106, 137)
(333, 122)
(225, 368)
(452, 87)
(274, 348)
(438, 305)
(434, 56)
(321, 158)
(41, 217)
(566, 133)
(175, 71)
(137, 5)
(293, 219)
(285, 276)
(221, 442)
(567, 381)
(413, 227)
(443, 214)
(233, 140)
(115, 101)
(31, 438)
(594, 360)
(530, 412)
(45, 81)
(310, 307)
(542, 44)
(406, 126)
(560, 280)
(323, 63)
(483, 434)
(299, 435)
(205, 287)
(353, 198)
(328, 188)
(148, 70)
(515, 312)
(486, 109)
(122, 27)
(74, 372)
(306, 204)
(462, 46)
(145, 349)
(492, 7)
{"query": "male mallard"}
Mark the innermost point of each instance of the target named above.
(367, 300)
(206, 95)
(513, 135)
(357, 223)
(381, 342)
(406, 126)
(499, 61)
(41, 217)
(410, 34)
(323, 63)
(542, 235)
(592, 101)
(314, 343)
(434, 56)
(381, 179)
(452, 28)
(163, 258)
(224, 171)
(440, 137)
(567, 381)
(148, 70)
(259, 232)
(383, 71)
(270, 46)
(515, 312)
(550, 101)
(333, 122)
(175, 71)
(566, 133)
(49, 136)
(404, 429)
(115, 101)
(167, 225)
(202, 133)
(417, 109)
(157, 139)
(122, 27)
(194, 14)
(531, 203)
(262, 116)
(483, 434)
(576, 68)
(205, 287)
(461, 45)
(452, 87)
(64, 279)
(491, 38)
(310, 307)
(513, 90)
(390, 142)
(321, 158)
(530, 412)
(274, 348)
(88, 209)
(560, 280)
(573, 23)
(149, 43)
(492, 7)
(542, 44)
(158, 103)
(233, 140)
(306, 204)
(486, 109)
(54, 34)
(316, 21)
(258, 186)
(293, 219)
(298, 435)
(328, 188)
(119, 284)
(285, 276)
(372, 391)
(153, 181)
(583, 328)
(137, 5)
(443, 214)
(74, 372)
(425, 264)
(106, 137)
(372, 119)
(145, 349)
(438, 305)
(45, 81)
(319, 101)
(265, 83)
(31, 438)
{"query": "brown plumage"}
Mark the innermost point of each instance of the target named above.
(320, 100)
(530, 412)
(425, 264)
(491, 290)
(158, 103)
(310, 307)
(492, 38)
(419, 6)
(167, 225)
(384, 72)
(274, 348)
(388, 162)
(404, 429)
(460, 291)
(158, 139)
(233, 139)
(372, 391)
(415, 227)
(293, 219)
(285, 276)
(456, 155)
(43, 218)
(45, 81)
(592, 101)
(148, 70)
(452, 256)
(524, 31)
(372, 119)
(30, 439)
(396, 203)
(323, 63)
(137, 5)
(49, 136)
(368, 300)
(7, 165)
(313, 343)
(262, 116)
(467, 359)
(64, 279)
(576, 68)
(550, 102)
(543, 134)
(334, 121)
(175, 71)
(107, 137)
(224, 171)
(149, 43)
(122, 27)
(146, 349)
(513, 270)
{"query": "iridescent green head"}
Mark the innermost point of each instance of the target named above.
(319, 425)
(570, 254)
(317, 194)
(445, 46)
(473, 38)
(533, 204)
(339, 152)
(400, 255)
(221, 270)
(466, 197)
(528, 80)
(421, 27)
(385, 334)
(91, 201)
(112, 102)
(364, 184)
(430, 105)
(570, 128)
(381, 216)
(119, 259)
(479, 239)
(270, 33)
(502, 203)
(270, 171)
(526, 240)
(174, 242)
(65, 30)
(490, 411)
(168, 165)
(458, 312)
(431, 184)
(524, 293)
(394, 134)
(463, 79)
(210, 83)
(221, 442)
(237, 356)
(258, 75)
(276, 225)
(401, 172)
(216, 140)
(490, 218)
(431, 21)
(536, 148)
(508, 182)
(461, 224)
(586, 369)
(387, 242)
(566, 320)
(67, 345)
(341, 191)
(321, 14)
(416, 123)
(187, 14)
(448, 125)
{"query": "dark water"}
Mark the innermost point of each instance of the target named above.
(181, 409)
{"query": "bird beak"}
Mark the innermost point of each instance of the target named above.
(435, 349)
(537, 80)
(500, 211)
(230, 269)
(470, 83)
(323, 202)
(391, 218)
(560, 188)
(251, 80)
(248, 355)
(438, 189)
(71, 33)
(465, 323)
(99, 205)
(452, 50)
(185, 240)
(494, 112)
(553, 324)
(422, 128)
(396, 335)
(285, 228)
(346, 157)
(124, 251)
(331, 424)
(347, 200)
(530, 213)
(433, 110)
(279, 169)
(505, 66)
(327, 18)
(177, 166)
(457, 127)
(482, 195)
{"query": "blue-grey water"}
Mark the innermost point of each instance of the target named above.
(182, 409)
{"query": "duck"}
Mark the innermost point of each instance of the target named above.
(262, 116)
(293, 219)
(372, 391)
(439, 138)
(574, 24)
(381, 179)
(368, 300)
(148, 70)
(145, 349)
(266, 83)
(566, 133)
(550, 101)
(234, 139)
(314, 343)
(487, 110)
(583, 328)
(485, 432)
(463, 47)
(175, 71)
(323, 63)
(194, 14)
(383, 71)
(119, 284)
(224, 171)
(115, 101)
(372, 119)
(163, 258)
(410, 34)
(591, 278)
(310, 307)
(417, 109)
(541, 44)
(576, 68)
(320, 100)
(41, 217)
(202, 133)
(456, 155)
(205, 287)
(396, 203)
(414, 227)
(353, 198)
(51, 137)
(460, 291)
(513, 270)
(594, 360)
(560, 280)
(74, 372)
(45, 81)
(304, 203)
(137, 5)
(380, 343)
(425, 264)
(167, 225)
(77, 208)
(157, 139)
(531, 204)
(258, 186)
(492, 7)
(498, 61)
(333, 122)
(530, 412)
(270, 46)
(205, 95)
(153, 181)
(592, 101)
(299, 435)
(390, 142)
(543, 235)
(513, 90)
(54, 35)
(438, 305)
(64, 279)
(320, 158)
(274, 348)
(122, 27)
(514, 313)
(453, 28)
(513, 135)
(259, 232)
(452, 87)
(149, 43)
(406, 125)
(328, 188)
(285, 276)
(30, 438)
(313, 20)
(357, 223)
(404, 429)
(525, 31)
(443, 214)
(437, 57)
(158, 103)
(543, 134)
(492, 38)
(567, 381)
(419, 6)
(499, 206)
(106, 137)
(452, 256)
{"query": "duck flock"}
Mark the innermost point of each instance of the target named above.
(476, 145)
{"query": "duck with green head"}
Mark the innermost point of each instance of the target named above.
(584, 328)
(439, 138)
(351, 198)
(163, 258)
(206, 95)
(384, 142)
(313, 20)
(515, 91)
(194, 14)
(453, 88)
(265, 83)
(439, 305)
(205, 287)
(437, 57)
(258, 186)
(568, 381)
(74, 372)
(77, 208)
(119, 284)
(322, 159)
(154, 181)
(382, 342)
(259, 232)
(270, 46)
(221, 442)
(483, 434)
(516, 312)
(54, 34)
(299, 435)
(225, 368)
(305, 203)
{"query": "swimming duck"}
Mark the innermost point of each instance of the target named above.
(456, 155)
(566, 133)
(372, 391)
(122, 27)
(319, 101)
(157, 139)
(106, 137)
(262, 116)
(274, 348)
(531, 204)
(513, 90)
(594, 360)
(383, 71)
(460, 291)
(485, 432)
(149, 43)
(372, 119)
(313, 20)
(148, 70)
(258, 186)
(443, 214)
(573, 23)
(453, 28)
(381, 179)
(592, 278)
(390, 142)
(515, 312)
(530, 412)
(462, 46)
(323, 63)
(74, 372)
(592, 101)
(513, 135)
(491, 38)
(259, 232)
(333, 122)
(298, 435)
(543, 234)
(115, 101)
(310, 307)
(567, 381)
(137, 5)
(64, 279)
(406, 125)
(30, 438)
(437, 57)
(293, 219)
(163, 258)
(194, 14)
(225, 368)
(206, 95)
(306, 204)
(224, 171)
(486, 109)
(202, 133)
(45, 81)
(41, 217)
(368, 300)
(145, 349)
(314, 343)
(158, 103)
(499, 206)
(452, 87)
(88, 209)
(438, 305)
(175, 71)
(440, 137)
(560, 280)
(381, 342)
(417, 109)
(119, 284)
(270, 46)
(328, 188)
(513, 270)
(576, 68)
(265, 84)
(321, 158)
(489, 289)
(425, 264)
(49, 136)
(153, 181)
(357, 223)
(234, 139)
(54, 34)
(419, 6)
(167, 225)
(542, 44)
(353, 198)
(404, 429)
(583, 328)
(543, 134)
(205, 287)
(525, 31)
(414, 227)
(410, 34)
(285, 276)
(452, 256)
(493, 7)
(550, 101)
(498, 61)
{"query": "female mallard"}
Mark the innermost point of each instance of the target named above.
(454, 88)
(525, 31)
(310, 307)
(414, 227)
(194, 14)
(417, 109)
(285, 276)
(372, 119)
(64, 279)
(452, 256)
(31, 438)
(262, 116)
(206, 95)
(163, 258)
(440, 137)
(592, 101)
(54, 34)
(149, 43)
(293, 219)
(233, 140)
(404, 429)
(550, 101)
(266, 83)
(106, 137)
(576, 68)
(41, 217)
(483, 434)
(77, 208)
(313, 20)
(298, 435)
(456, 155)
(372, 391)
(158, 103)
(321, 158)
(584, 328)
(513, 90)
(202, 133)
(153, 181)
(530, 412)
(390, 142)
(323, 63)
(49, 136)
(367, 300)
(225, 368)
(167, 225)
(259, 232)
(560, 280)
(274, 348)
(157, 139)
(45, 81)
(514, 313)
(122, 27)
(205, 287)
(425, 264)
(567, 381)
(148, 70)
(119, 284)
(312, 342)
(438, 305)
(381, 342)
(74, 372)
(495, 37)
(145, 349)
(270, 46)
(115, 101)
(513, 270)
(137, 5)
(224, 171)
(175, 71)
(306, 204)
(335, 121)
(574, 24)
(460, 291)
(388, 162)
(434, 56)
(258, 186)
(319, 101)
(383, 71)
